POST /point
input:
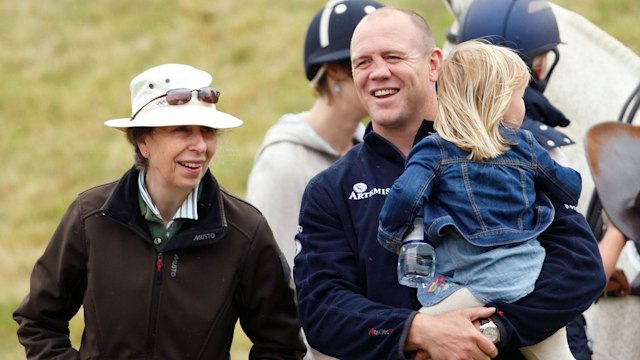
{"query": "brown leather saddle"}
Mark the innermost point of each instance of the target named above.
(613, 154)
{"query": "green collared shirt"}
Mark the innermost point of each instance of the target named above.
(162, 235)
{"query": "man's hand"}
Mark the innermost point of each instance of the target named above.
(451, 336)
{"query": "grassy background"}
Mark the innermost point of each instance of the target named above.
(65, 67)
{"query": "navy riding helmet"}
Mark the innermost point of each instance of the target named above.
(329, 34)
(527, 26)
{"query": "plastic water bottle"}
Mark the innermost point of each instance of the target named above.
(417, 259)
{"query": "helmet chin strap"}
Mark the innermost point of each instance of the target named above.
(319, 74)
(541, 84)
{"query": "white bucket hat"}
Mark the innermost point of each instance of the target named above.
(149, 107)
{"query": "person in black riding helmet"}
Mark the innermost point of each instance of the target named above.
(301, 145)
(315, 138)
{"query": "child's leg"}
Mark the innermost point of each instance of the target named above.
(460, 299)
(554, 347)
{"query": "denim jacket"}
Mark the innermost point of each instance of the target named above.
(496, 202)
(483, 217)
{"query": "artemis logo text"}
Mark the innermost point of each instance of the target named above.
(360, 192)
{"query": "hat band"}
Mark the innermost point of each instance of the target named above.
(182, 96)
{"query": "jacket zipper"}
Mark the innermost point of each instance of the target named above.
(155, 294)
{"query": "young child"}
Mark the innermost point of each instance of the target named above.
(481, 185)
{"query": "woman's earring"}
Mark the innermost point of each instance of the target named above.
(337, 89)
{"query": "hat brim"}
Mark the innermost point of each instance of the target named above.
(613, 154)
(193, 113)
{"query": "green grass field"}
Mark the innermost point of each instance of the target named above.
(65, 68)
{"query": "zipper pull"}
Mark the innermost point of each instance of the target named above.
(159, 263)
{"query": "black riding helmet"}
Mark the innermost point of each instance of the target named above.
(329, 34)
(527, 26)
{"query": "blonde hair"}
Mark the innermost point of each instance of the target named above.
(475, 86)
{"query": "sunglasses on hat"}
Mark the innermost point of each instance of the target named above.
(182, 96)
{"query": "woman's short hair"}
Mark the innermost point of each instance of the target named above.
(321, 83)
(134, 135)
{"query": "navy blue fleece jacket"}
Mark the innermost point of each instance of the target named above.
(350, 303)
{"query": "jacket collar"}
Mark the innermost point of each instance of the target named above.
(122, 205)
(386, 149)
(539, 108)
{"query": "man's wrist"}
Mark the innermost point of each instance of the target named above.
(489, 329)
(494, 327)
(410, 341)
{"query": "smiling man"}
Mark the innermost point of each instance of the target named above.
(351, 304)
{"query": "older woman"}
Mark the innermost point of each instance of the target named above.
(164, 261)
